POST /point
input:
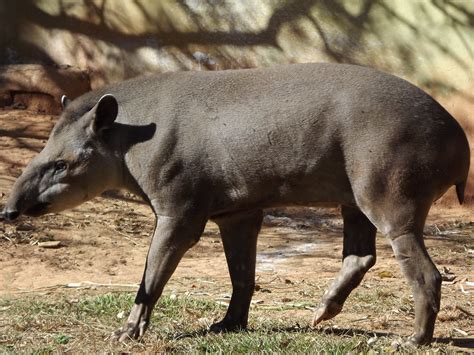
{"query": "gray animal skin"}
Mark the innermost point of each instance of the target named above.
(224, 145)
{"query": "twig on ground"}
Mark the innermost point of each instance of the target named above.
(86, 284)
(460, 331)
(77, 285)
(128, 238)
(205, 281)
(462, 309)
(11, 241)
(463, 290)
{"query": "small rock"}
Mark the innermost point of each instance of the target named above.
(448, 277)
(396, 345)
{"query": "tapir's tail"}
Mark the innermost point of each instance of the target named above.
(460, 191)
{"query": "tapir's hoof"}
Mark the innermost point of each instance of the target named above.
(130, 331)
(327, 311)
(417, 340)
(225, 326)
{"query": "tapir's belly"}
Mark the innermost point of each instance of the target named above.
(313, 190)
(317, 189)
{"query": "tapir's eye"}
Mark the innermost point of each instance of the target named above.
(59, 166)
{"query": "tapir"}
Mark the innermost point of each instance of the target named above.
(224, 145)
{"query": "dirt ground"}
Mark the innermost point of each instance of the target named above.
(105, 241)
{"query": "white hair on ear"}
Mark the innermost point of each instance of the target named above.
(64, 101)
(107, 96)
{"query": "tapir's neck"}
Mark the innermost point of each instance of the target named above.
(122, 138)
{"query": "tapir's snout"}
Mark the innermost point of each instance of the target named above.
(10, 215)
(22, 201)
(23, 196)
(12, 209)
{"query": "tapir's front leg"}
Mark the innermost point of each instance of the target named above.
(239, 235)
(173, 236)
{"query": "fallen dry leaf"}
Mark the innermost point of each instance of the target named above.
(385, 274)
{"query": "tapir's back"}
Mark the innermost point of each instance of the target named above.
(304, 133)
(296, 132)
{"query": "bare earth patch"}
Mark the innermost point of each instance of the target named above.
(103, 246)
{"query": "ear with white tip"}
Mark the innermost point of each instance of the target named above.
(104, 113)
(65, 101)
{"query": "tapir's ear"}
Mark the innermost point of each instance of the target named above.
(105, 113)
(65, 101)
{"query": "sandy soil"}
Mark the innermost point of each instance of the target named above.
(105, 241)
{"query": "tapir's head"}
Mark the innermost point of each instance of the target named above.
(75, 165)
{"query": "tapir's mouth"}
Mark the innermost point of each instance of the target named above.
(37, 210)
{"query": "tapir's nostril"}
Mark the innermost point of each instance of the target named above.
(11, 215)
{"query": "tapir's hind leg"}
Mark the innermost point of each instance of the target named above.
(239, 236)
(425, 281)
(358, 258)
(403, 225)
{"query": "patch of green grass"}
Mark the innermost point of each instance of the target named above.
(104, 306)
(377, 300)
(56, 323)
